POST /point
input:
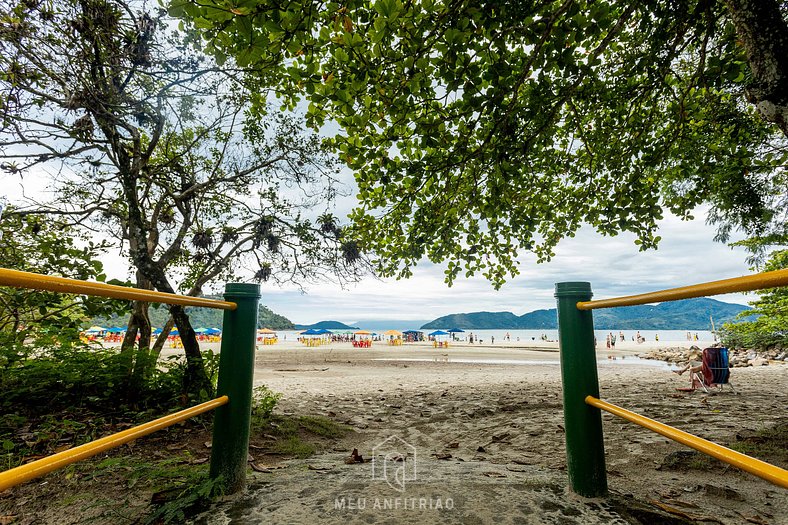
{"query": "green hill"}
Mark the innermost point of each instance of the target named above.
(201, 317)
(327, 325)
(687, 314)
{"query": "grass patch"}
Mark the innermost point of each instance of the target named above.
(294, 446)
(322, 426)
(769, 444)
(297, 436)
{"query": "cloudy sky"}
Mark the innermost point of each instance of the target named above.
(613, 266)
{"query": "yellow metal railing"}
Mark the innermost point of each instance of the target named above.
(235, 427)
(15, 476)
(584, 439)
(746, 283)
(35, 281)
(760, 468)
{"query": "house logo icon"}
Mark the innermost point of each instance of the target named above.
(394, 461)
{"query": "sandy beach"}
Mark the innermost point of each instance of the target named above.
(480, 431)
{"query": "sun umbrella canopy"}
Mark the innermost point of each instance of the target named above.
(455, 331)
(157, 331)
(362, 332)
(412, 332)
(392, 332)
(265, 331)
(95, 330)
(213, 331)
(116, 330)
(311, 331)
(201, 330)
(438, 332)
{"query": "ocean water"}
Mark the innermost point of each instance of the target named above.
(552, 335)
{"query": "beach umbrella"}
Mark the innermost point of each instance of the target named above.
(362, 332)
(322, 331)
(311, 331)
(265, 331)
(393, 332)
(213, 331)
(95, 330)
(438, 332)
(174, 332)
(157, 331)
(201, 330)
(455, 331)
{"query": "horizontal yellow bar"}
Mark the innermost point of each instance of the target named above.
(760, 468)
(36, 281)
(747, 283)
(35, 469)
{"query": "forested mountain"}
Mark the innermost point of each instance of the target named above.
(201, 317)
(327, 325)
(687, 314)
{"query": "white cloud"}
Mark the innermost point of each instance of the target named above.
(613, 265)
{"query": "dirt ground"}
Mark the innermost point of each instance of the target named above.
(474, 436)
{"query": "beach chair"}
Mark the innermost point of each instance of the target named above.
(715, 371)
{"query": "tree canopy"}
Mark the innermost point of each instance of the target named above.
(477, 130)
(149, 144)
(770, 312)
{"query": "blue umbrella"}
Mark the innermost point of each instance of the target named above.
(157, 331)
(412, 332)
(456, 331)
(438, 332)
(322, 331)
(212, 331)
(311, 331)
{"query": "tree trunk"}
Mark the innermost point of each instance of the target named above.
(764, 33)
(155, 351)
(196, 379)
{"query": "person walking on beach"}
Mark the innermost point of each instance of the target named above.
(621, 336)
(612, 341)
(607, 341)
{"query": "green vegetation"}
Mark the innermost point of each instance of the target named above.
(148, 147)
(206, 317)
(768, 444)
(294, 436)
(169, 468)
(73, 394)
(480, 130)
(300, 436)
(770, 328)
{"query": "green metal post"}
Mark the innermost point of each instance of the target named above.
(585, 449)
(230, 447)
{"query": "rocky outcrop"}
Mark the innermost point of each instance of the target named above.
(738, 357)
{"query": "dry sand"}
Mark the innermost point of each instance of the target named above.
(486, 439)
